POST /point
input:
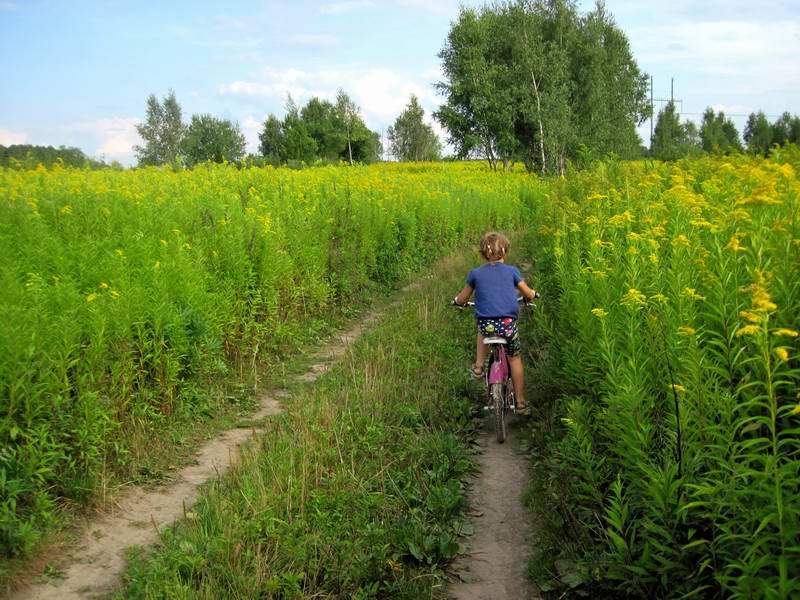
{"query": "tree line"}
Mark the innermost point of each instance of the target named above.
(319, 131)
(29, 156)
(536, 81)
(717, 134)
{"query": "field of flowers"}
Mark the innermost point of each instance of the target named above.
(126, 293)
(673, 448)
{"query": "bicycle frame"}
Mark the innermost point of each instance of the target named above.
(498, 372)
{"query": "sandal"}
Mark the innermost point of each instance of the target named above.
(477, 371)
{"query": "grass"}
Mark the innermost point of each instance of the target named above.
(354, 492)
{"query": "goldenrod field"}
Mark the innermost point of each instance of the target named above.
(126, 293)
(666, 354)
(674, 311)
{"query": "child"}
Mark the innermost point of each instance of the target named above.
(496, 309)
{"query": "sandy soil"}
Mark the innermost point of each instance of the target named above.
(495, 565)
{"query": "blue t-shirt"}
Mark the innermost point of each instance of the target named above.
(495, 286)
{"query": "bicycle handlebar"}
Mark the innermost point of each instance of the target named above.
(519, 299)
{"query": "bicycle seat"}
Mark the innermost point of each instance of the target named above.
(494, 340)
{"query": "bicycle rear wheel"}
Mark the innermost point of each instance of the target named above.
(497, 394)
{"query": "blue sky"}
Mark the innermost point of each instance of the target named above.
(78, 73)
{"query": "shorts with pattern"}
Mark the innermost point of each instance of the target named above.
(504, 327)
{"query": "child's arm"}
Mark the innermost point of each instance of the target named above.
(526, 292)
(463, 295)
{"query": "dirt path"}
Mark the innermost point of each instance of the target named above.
(495, 566)
(94, 567)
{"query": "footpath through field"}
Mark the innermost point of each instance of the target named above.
(94, 567)
(496, 563)
(399, 337)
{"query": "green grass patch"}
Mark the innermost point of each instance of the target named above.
(355, 492)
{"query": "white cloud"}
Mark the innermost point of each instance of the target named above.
(116, 136)
(7, 137)
(747, 54)
(344, 7)
(380, 92)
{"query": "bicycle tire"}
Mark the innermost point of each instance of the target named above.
(499, 405)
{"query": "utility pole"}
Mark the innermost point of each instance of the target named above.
(672, 90)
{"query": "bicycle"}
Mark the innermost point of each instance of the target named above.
(500, 397)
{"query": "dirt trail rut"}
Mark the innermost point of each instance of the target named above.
(94, 567)
(495, 566)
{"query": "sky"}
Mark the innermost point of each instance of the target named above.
(78, 73)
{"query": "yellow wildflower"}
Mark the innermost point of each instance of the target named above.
(574, 227)
(65, 210)
(103, 285)
(591, 220)
(599, 313)
(747, 330)
(692, 294)
(621, 219)
(633, 250)
(157, 265)
(680, 240)
(678, 388)
(660, 298)
(796, 410)
(687, 331)
(783, 332)
(734, 244)
(782, 354)
(750, 316)
(119, 252)
(114, 294)
(653, 259)
(91, 297)
(634, 297)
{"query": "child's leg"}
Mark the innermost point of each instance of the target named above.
(480, 354)
(517, 376)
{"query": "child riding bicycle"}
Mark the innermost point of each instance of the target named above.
(496, 309)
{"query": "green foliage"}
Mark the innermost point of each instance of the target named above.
(319, 131)
(669, 407)
(127, 293)
(26, 156)
(671, 138)
(758, 134)
(162, 132)
(719, 134)
(355, 492)
(410, 139)
(209, 139)
(533, 81)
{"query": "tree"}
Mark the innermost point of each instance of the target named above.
(212, 139)
(162, 132)
(534, 80)
(347, 112)
(672, 139)
(324, 123)
(782, 129)
(758, 133)
(718, 133)
(272, 140)
(299, 143)
(410, 139)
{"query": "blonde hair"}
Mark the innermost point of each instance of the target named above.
(494, 246)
